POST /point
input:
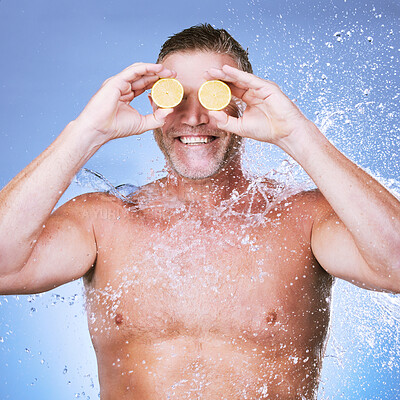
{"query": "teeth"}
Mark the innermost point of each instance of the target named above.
(196, 139)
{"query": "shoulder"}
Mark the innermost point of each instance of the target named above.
(89, 207)
(306, 206)
(87, 202)
(308, 199)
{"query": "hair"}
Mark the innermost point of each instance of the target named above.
(204, 37)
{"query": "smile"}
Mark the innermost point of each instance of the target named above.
(196, 140)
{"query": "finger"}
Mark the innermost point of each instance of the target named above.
(129, 97)
(119, 87)
(140, 87)
(157, 119)
(137, 86)
(135, 71)
(215, 73)
(245, 79)
(242, 82)
(135, 89)
(239, 77)
(227, 123)
(139, 69)
(145, 82)
(133, 94)
(236, 90)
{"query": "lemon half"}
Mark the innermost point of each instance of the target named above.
(214, 95)
(167, 92)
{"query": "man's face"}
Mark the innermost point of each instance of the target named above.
(192, 144)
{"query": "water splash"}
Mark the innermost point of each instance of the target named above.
(314, 71)
(95, 181)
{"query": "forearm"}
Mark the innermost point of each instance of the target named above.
(28, 200)
(369, 211)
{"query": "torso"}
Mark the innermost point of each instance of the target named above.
(184, 304)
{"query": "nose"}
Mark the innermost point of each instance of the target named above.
(191, 112)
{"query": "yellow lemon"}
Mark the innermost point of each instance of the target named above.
(167, 92)
(214, 95)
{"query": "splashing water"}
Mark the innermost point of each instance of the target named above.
(184, 277)
(361, 320)
(336, 82)
(361, 119)
(94, 181)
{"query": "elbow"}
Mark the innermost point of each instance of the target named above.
(396, 251)
(394, 289)
(385, 277)
(396, 263)
(396, 276)
(395, 268)
(392, 266)
(393, 281)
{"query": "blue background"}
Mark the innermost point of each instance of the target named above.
(338, 59)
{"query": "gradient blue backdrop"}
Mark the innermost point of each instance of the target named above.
(339, 59)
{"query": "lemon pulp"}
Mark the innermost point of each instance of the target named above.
(214, 95)
(167, 92)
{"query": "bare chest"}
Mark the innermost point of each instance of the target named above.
(241, 280)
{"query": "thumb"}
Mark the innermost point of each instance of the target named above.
(157, 119)
(226, 122)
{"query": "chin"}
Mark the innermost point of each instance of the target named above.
(193, 173)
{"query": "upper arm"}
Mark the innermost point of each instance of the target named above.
(335, 249)
(64, 251)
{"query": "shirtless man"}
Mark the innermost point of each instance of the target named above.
(204, 284)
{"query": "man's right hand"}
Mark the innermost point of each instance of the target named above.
(109, 112)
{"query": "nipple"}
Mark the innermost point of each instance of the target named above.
(271, 317)
(119, 319)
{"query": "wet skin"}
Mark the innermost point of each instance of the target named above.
(189, 304)
(203, 284)
(196, 294)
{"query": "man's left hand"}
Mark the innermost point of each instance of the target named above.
(270, 116)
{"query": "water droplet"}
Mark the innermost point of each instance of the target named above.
(246, 239)
(338, 36)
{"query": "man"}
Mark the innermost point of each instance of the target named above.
(204, 284)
